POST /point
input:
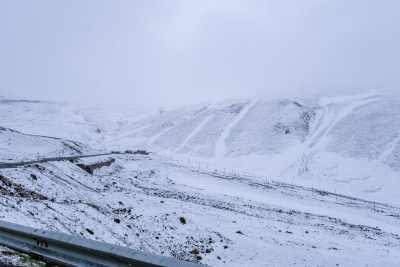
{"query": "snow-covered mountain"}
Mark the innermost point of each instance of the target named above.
(346, 143)
(349, 143)
(220, 167)
(16, 146)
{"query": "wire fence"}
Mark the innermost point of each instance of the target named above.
(268, 182)
(207, 167)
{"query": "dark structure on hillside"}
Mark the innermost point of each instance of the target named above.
(141, 152)
(90, 168)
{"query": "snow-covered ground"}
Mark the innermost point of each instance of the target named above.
(350, 144)
(16, 146)
(238, 182)
(139, 202)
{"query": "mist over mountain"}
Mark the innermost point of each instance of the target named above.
(224, 133)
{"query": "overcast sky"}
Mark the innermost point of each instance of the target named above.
(166, 53)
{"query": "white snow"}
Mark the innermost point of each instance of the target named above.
(191, 135)
(221, 143)
(245, 174)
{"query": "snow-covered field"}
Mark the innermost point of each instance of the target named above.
(229, 183)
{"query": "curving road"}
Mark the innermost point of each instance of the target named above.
(21, 163)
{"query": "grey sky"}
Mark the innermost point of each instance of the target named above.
(175, 52)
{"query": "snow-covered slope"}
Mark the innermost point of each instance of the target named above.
(16, 146)
(362, 126)
(344, 143)
(48, 119)
(226, 129)
(214, 165)
(147, 203)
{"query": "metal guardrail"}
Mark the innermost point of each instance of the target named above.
(66, 250)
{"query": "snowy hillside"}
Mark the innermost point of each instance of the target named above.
(346, 143)
(350, 143)
(48, 119)
(231, 183)
(16, 146)
(147, 203)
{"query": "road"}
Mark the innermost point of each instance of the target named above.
(21, 163)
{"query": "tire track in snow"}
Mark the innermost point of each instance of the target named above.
(220, 146)
(195, 131)
(390, 148)
(325, 121)
(130, 133)
(158, 135)
(330, 118)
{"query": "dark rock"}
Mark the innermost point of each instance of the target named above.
(182, 220)
(195, 252)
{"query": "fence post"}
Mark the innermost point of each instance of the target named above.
(335, 195)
